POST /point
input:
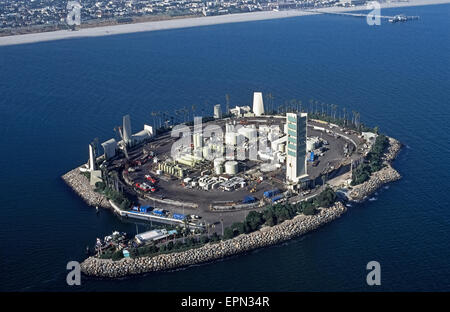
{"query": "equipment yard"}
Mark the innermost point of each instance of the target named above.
(211, 189)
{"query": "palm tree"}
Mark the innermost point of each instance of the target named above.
(345, 116)
(292, 105)
(271, 103)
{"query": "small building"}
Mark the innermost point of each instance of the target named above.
(110, 148)
(151, 236)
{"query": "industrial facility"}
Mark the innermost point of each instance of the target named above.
(227, 165)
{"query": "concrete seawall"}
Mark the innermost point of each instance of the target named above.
(80, 184)
(267, 236)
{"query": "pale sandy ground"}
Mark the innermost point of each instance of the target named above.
(190, 22)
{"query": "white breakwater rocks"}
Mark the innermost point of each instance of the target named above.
(80, 184)
(267, 236)
(377, 179)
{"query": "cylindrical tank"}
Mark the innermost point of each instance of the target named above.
(197, 138)
(310, 145)
(231, 167)
(218, 169)
(230, 138)
(206, 152)
(218, 161)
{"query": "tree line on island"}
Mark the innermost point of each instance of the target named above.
(276, 214)
(373, 161)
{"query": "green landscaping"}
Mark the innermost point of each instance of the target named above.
(113, 195)
(278, 213)
(373, 161)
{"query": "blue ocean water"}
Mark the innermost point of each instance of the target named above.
(55, 97)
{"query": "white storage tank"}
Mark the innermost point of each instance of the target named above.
(218, 169)
(197, 138)
(311, 143)
(218, 161)
(230, 138)
(231, 167)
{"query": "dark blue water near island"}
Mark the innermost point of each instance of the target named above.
(55, 97)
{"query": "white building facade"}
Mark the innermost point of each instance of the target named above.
(296, 146)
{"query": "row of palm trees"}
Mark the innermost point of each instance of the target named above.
(162, 119)
(315, 108)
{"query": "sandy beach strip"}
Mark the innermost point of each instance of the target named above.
(190, 22)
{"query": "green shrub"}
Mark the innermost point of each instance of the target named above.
(117, 255)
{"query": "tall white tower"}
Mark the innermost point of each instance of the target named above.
(91, 158)
(296, 146)
(126, 129)
(258, 105)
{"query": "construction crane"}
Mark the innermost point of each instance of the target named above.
(118, 130)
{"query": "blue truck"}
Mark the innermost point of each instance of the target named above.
(249, 199)
(311, 157)
(277, 198)
(179, 216)
(271, 193)
(159, 212)
(146, 209)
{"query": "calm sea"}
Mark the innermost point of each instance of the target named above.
(56, 97)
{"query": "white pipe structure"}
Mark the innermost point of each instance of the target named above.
(91, 158)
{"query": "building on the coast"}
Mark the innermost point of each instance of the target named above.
(110, 148)
(92, 163)
(296, 147)
(127, 129)
(142, 135)
(217, 111)
(258, 104)
(240, 111)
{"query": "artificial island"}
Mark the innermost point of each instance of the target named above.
(249, 177)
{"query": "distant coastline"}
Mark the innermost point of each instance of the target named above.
(190, 22)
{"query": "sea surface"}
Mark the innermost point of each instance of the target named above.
(56, 97)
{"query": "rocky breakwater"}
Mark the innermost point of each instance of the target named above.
(267, 236)
(80, 184)
(377, 179)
